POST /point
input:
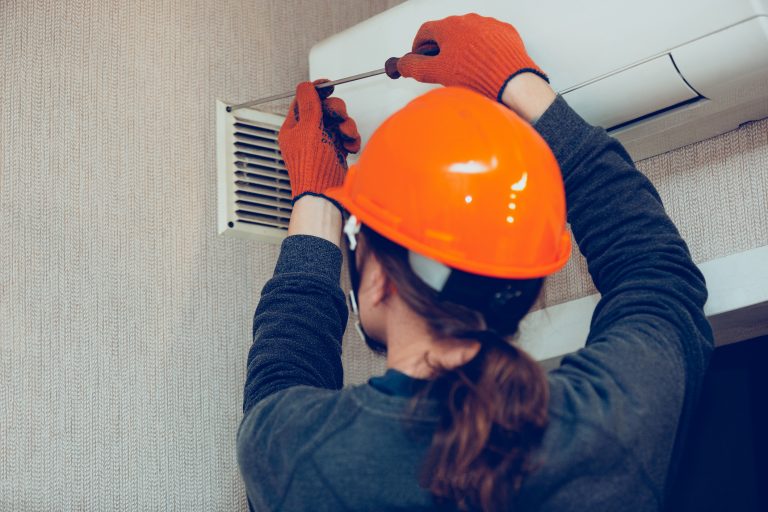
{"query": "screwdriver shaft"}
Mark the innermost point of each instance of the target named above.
(323, 85)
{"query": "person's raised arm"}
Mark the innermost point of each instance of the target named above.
(301, 316)
(316, 216)
(649, 343)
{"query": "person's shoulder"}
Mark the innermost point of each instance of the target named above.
(293, 412)
(282, 430)
(589, 440)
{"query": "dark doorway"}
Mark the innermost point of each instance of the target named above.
(725, 462)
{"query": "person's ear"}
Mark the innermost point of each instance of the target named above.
(380, 284)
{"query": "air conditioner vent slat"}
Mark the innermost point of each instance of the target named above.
(260, 157)
(273, 157)
(254, 131)
(257, 125)
(245, 208)
(263, 204)
(241, 129)
(244, 138)
(259, 199)
(261, 172)
(248, 188)
(265, 223)
(258, 145)
(254, 170)
(258, 175)
(268, 184)
(268, 220)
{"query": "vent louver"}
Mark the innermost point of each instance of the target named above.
(254, 191)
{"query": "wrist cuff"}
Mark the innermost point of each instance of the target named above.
(316, 194)
(519, 72)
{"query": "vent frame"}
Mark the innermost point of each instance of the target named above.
(246, 140)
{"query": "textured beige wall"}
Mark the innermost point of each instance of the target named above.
(124, 319)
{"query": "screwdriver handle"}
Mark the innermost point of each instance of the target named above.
(390, 66)
(324, 90)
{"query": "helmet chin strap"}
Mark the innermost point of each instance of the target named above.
(352, 229)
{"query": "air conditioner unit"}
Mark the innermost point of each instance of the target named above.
(657, 74)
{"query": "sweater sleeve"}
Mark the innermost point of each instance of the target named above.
(649, 343)
(299, 322)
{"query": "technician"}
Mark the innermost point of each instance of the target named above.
(455, 214)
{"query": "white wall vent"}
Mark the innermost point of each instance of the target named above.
(254, 194)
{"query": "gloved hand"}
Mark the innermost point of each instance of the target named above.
(477, 52)
(315, 139)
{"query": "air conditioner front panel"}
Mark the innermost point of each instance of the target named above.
(730, 65)
(631, 94)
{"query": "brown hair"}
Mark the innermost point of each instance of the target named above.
(494, 407)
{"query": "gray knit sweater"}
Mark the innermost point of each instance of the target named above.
(619, 408)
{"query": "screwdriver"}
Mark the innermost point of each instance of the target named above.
(390, 68)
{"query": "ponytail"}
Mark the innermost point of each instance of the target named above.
(494, 415)
(494, 407)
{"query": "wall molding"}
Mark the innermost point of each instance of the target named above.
(737, 308)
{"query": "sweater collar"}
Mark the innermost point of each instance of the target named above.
(392, 394)
(397, 383)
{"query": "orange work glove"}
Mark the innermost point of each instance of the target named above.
(315, 139)
(480, 53)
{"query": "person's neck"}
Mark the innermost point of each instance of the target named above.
(408, 348)
(414, 351)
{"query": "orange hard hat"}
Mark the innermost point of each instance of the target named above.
(463, 180)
